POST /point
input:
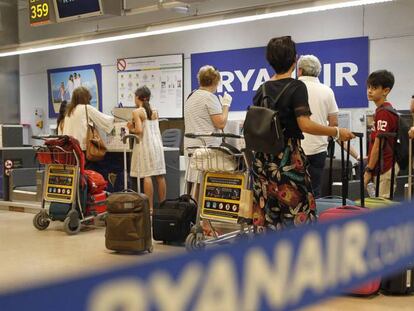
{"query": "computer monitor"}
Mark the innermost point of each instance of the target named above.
(75, 9)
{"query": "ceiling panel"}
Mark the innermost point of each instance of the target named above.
(147, 13)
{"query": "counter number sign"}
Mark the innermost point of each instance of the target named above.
(39, 12)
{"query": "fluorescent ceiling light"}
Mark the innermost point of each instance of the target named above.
(194, 26)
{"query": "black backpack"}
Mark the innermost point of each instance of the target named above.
(401, 147)
(262, 128)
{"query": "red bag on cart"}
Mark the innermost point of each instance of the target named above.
(96, 203)
(96, 182)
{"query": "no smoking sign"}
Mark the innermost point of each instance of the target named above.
(121, 64)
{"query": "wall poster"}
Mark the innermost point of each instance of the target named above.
(62, 82)
(163, 75)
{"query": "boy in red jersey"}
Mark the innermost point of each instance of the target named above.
(379, 85)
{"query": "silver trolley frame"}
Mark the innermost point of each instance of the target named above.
(215, 161)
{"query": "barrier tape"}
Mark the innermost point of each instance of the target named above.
(277, 271)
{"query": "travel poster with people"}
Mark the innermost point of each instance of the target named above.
(62, 82)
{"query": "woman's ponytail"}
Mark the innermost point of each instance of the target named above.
(144, 94)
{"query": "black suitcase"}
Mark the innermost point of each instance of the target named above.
(173, 219)
(402, 283)
(399, 284)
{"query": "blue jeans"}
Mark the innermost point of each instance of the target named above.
(315, 168)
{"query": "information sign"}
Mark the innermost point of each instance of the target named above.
(39, 12)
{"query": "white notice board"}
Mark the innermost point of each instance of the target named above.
(162, 74)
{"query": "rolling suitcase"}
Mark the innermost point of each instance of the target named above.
(330, 201)
(368, 288)
(379, 202)
(322, 204)
(343, 208)
(128, 224)
(402, 283)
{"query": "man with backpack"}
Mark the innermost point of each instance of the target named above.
(379, 85)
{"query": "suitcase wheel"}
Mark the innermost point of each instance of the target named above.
(41, 221)
(72, 224)
(193, 242)
(151, 249)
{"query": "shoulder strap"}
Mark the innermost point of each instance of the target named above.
(192, 92)
(394, 112)
(266, 97)
(87, 116)
(391, 109)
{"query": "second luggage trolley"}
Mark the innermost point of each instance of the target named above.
(223, 174)
(61, 198)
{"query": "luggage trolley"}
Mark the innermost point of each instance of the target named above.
(61, 198)
(223, 171)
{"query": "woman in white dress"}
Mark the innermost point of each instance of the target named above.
(148, 155)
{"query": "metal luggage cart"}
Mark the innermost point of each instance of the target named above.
(224, 173)
(61, 187)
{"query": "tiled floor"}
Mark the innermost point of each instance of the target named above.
(31, 257)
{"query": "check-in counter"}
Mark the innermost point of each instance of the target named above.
(13, 158)
(112, 168)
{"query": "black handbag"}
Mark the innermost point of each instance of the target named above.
(262, 129)
(173, 219)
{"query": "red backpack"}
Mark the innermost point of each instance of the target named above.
(96, 182)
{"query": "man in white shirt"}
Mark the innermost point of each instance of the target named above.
(324, 111)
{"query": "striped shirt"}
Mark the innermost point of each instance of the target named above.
(197, 111)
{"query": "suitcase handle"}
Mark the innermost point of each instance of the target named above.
(182, 198)
(345, 167)
(130, 136)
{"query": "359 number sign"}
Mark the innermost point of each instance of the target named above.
(39, 11)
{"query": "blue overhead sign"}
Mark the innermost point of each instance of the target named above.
(279, 271)
(344, 68)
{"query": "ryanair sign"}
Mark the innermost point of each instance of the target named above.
(344, 69)
(275, 271)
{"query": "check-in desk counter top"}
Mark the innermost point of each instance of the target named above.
(130, 150)
(16, 148)
(14, 158)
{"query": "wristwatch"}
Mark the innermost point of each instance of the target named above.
(369, 170)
